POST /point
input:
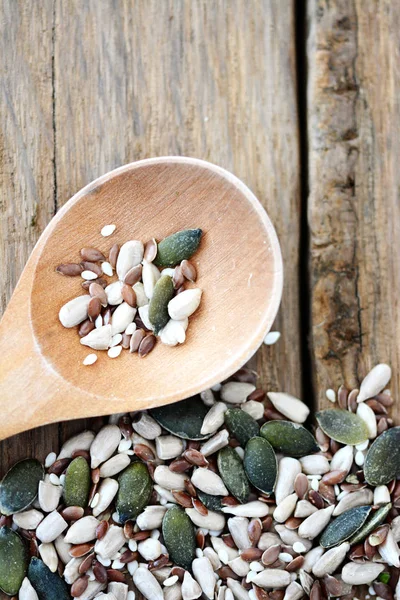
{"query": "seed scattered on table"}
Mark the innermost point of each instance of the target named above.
(151, 282)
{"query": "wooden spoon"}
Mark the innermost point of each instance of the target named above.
(42, 378)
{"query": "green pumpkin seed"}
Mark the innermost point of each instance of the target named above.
(260, 464)
(290, 438)
(211, 502)
(382, 463)
(47, 585)
(158, 307)
(343, 527)
(177, 247)
(19, 486)
(373, 522)
(13, 561)
(77, 483)
(135, 488)
(342, 426)
(179, 537)
(241, 425)
(233, 474)
(184, 419)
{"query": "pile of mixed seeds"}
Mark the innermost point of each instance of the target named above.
(142, 302)
(225, 496)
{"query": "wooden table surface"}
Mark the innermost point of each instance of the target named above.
(299, 100)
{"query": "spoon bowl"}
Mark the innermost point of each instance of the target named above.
(42, 378)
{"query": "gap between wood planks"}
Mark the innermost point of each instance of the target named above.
(308, 392)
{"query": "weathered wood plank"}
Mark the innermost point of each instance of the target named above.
(219, 85)
(26, 164)
(353, 61)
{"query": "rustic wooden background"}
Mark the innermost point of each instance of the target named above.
(299, 99)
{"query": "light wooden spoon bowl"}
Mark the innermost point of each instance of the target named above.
(42, 378)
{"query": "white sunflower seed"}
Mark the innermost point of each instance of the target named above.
(361, 573)
(146, 426)
(122, 317)
(290, 537)
(114, 465)
(358, 498)
(268, 539)
(62, 549)
(107, 491)
(130, 329)
(366, 413)
(82, 531)
(294, 591)
(114, 293)
(130, 255)
(239, 566)
(111, 543)
(173, 592)
(150, 549)
(147, 584)
(214, 418)
(169, 446)
(184, 304)
(213, 520)
(304, 509)
(49, 556)
(75, 311)
(238, 528)
(28, 519)
(51, 527)
(289, 406)
(50, 459)
(285, 508)
(209, 482)
(254, 409)
(343, 459)
(118, 590)
(169, 480)
(215, 443)
(190, 588)
(150, 276)
(98, 339)
(314, 464)
(170, 580)
(237, 590)
(374, 382)
(288, 469)
(236, 392)
(272, 578)
(204, 574)
(144, 315)
(105, 444)
(225, 553)
(71, 572)
(94, 587)
(108, 230)
(27, 591)
(174, 332)
(252, 510)
(116, 339)
(389, 550)
(315, 523)
(208, 397)
(381, 495)
(151, 518)
(331, 560)
(299, 547)
(141, 298)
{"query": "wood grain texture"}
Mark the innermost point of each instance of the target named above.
(214, 80)
(41, 364)
(211, 90)
(353, 61)
(26, 164)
